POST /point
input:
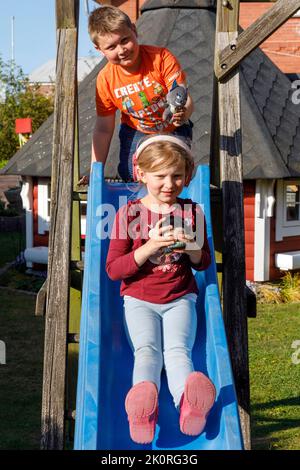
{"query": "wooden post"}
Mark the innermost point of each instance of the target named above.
(57, 309)
(234, 301)
(75, 298)
(239, 47)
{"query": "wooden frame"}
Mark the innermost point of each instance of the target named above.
(254, 35)
(64, 243)
(231, 49)
(58, 281)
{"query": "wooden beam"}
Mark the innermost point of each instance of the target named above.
(57, 308)
(67, 12)
(254, 35)
(234, 300)
(104, 2)
(40, 303)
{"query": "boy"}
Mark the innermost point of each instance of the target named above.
(136, 81)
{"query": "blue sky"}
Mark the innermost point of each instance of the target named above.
(35, 32)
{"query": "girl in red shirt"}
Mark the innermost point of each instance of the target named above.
(155, 243)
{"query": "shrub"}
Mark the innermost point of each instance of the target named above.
(290, 287)
(268, 294)
(7, 212)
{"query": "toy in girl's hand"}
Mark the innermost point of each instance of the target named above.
(176, 100)
(175, 246)
(176, 223)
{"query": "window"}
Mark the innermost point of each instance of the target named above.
(287, 209)
(292, 202)
(48, 200)
(44, 194)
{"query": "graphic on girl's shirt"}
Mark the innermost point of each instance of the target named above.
(165, 262)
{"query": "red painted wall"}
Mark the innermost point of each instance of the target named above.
(249, 220)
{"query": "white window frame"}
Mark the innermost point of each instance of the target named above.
(285, 228)
(43, 212)
(83, 220)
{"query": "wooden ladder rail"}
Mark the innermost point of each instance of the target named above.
(63, 302)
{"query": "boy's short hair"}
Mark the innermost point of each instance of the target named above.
(106, 20)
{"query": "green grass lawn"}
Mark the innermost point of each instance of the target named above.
(21, 376)
(274, 378)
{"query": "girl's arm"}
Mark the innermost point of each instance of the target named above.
(122, 261)
(200, 260)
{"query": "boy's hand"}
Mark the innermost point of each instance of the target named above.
(84, 180)
(179, 118)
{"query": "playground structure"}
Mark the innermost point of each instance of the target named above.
(63, 301)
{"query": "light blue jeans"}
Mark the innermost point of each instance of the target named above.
(162, 334)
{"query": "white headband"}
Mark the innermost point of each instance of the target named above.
(162, 138)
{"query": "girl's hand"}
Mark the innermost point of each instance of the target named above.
(191, 248)
(160, 237)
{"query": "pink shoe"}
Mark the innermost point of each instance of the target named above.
(196, 402)
(142, 409)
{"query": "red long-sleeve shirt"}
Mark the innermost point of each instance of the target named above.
(163, 277)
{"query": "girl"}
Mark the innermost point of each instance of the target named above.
(159, 288)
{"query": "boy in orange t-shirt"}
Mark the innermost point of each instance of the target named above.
(135, 80)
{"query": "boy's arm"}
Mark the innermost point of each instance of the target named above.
(103, 132)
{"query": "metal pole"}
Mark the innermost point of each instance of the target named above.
(12, 39)
(87, 8)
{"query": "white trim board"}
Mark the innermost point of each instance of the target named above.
(264, 202)
(288, 260)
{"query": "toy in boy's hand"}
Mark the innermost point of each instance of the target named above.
(176, 100)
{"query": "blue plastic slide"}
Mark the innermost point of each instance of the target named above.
(105, 358)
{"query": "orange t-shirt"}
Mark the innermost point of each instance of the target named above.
(140, 96)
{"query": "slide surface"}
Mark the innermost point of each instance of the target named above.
(105, 358)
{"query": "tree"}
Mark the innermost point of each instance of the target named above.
(18, 99)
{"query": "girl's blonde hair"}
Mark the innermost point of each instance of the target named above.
(106, 20)
(160, 155)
